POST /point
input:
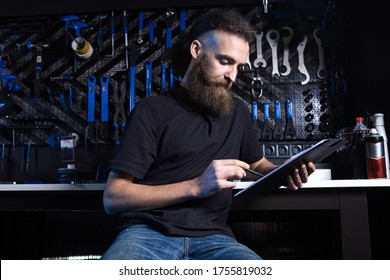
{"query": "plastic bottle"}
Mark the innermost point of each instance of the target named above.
(379, 123)
(358, 149)
(375, 155)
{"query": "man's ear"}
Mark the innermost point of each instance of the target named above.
(195, 48)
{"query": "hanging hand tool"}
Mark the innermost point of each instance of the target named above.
(119, 115)
(70, 98)
(169, 17)
(22, 158)
(259, 51)
(104, 84)
(183, 16)
(287, 35)
(278, 129)
(90, 130)
(301, 61)
(255, 119)
(112, 35)
(273, 39)
(148, 78)
(151, 31)
(321, 72)
(134, 54)
(28, 156)
(2, 158)
(257, 84)
(125, 32)
(38, 67)
(267, 130)
(289, 131)
(100, 33)
(140, 40)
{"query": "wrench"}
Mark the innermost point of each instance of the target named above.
(321, 72)
(286, 38)
(259, 51)
(301, 62)
(273, 39)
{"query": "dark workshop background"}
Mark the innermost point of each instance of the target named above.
(356, 83)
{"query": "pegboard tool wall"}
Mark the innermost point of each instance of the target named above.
(38, 114)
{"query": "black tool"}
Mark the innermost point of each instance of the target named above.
(38, 67)
(254, 172)
(119, 121)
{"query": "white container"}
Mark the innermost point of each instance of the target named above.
(379, 123)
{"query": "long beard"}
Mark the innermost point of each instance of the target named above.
(213, 96)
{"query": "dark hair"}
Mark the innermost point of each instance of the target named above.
(228, 20)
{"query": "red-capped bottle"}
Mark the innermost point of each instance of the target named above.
(358, 149)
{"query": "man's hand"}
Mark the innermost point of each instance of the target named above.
(216, 176)
(300, 176)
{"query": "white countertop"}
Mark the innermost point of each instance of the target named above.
(336, 183)
(240, 185)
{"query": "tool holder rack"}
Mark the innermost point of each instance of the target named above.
(59, 61)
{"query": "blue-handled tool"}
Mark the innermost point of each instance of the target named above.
(38, 67)
(140, 40)
(169, 17)
(2, 157)
(151, 31)
(148, 77)
(134, 53)
(104, 85)
(182, 20)
(289, 131)
(90, 131)
(163, 76)
(278, 129)
(255, 120)
(267, 130)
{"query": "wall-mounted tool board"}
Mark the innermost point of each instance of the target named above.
(56, 112)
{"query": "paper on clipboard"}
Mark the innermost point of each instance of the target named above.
(277, 177)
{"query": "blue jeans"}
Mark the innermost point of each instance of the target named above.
(140, 242)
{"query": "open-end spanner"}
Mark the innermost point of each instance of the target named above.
(301, 62)
(287, 35)
(259, 51)
(322, 73)
(273, 37)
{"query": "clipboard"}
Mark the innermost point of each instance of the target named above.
(277, 177)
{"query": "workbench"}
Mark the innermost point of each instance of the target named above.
(347, 197)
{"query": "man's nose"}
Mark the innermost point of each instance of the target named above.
(231, 74)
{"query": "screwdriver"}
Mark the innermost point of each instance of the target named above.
(28, 156)
(2, 157)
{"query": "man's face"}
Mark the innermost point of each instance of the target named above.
(210, 94)
(214, 72)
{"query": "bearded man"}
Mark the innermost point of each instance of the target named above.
(172, 176)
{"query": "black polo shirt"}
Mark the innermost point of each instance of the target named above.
(167, 140)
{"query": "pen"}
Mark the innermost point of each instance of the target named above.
(254, 172)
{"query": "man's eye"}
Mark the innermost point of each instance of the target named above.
(224, 61)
